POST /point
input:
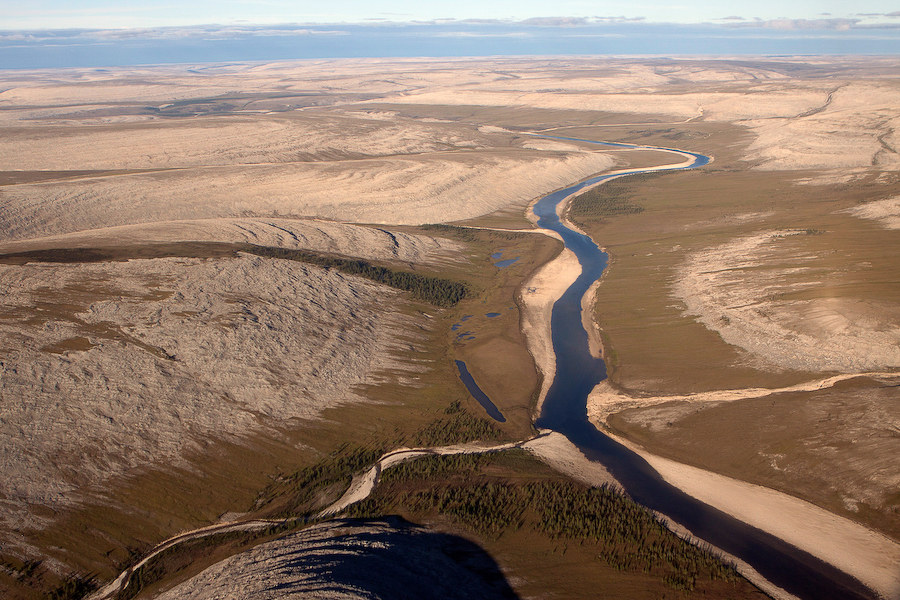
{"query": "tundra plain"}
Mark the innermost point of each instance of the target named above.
(158, 376)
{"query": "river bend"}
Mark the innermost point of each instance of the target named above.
(565, 411)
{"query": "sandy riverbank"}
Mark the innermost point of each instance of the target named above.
(856, 550)
(606, 400)
(852, 548)
(867, 555)
(539, 294)
(549, 283)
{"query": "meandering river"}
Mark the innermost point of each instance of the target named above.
(565, 411)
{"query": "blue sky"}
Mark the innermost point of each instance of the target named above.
(52, 14)
(97, 33)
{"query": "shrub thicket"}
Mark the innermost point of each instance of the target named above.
(628, 536)
(298, 491)
(434, 290)
(457, 428)
(610, 199)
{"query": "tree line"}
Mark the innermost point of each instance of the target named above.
(434, 290)
(628, 536)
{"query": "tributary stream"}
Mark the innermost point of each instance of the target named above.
(565, 411)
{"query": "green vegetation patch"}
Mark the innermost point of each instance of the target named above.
(73, 587)
(434, 290)
(309, 490)
(35, 574)
(312, 488)
(457, 427)
(611, 199)
(468, 234)
(298, 467)
(487, 494)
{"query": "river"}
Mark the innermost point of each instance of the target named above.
(565, 411)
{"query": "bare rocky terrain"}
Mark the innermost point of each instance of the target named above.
(381, 559)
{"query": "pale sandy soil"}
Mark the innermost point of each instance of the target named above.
(555, 450)
(870, 557)
(885, 212)
(853, 548)
(129, 364)
(344, 239)
(714, 105)
(822, 124)
(359, 166)
(736, 289)
(605, 400)
(437, 187)
(77, 341)
(353, 166)
(227, 141)
(539, 294)
(856, 127)
(112, 366)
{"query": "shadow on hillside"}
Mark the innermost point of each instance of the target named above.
(387, 558)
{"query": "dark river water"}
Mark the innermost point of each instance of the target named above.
(565, 411)
(478, 394)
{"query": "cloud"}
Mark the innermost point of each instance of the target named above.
(619, 19)
(169, 33)
(476, 34)
(537, 28)
(88, 11)
(15, 36)
(555, 21)
(575, 21)
(535, 21)
(799, 24)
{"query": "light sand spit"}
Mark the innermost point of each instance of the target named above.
(539, 294)
(866, 555)
(605, 400)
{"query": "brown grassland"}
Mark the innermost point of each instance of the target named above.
(102, 537)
